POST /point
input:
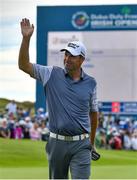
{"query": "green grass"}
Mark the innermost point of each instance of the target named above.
(26, 159)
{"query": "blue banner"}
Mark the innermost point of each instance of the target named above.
(79, 18)
(112, 17)
(123, 108)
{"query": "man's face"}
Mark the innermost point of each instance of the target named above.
(72, 63)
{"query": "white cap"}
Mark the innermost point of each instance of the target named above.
(27, 118)
(76, 48)
(40, 109)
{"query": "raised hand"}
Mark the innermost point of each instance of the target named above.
(26, 28)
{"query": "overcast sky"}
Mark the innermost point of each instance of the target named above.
(15, 84)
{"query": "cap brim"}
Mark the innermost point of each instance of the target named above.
(71, 51)
(63, 50)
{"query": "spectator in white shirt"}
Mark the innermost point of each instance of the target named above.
(11, 107)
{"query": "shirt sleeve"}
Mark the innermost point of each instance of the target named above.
(42, 73)
(94, 101)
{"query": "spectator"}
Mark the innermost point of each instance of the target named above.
(127, 140)
(26, 127)
(18, 131)
(40, 115)
(11, 125)
(101, 139)
(4, 130)
(44, 132)
(35, 132)
(101, 120)
(11, 107)
(25, 130)
(134, 140)
(27, 112)
(19, 113)
(29, 124)
(115, 142)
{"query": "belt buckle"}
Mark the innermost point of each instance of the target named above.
(84, 136)
(68, 138)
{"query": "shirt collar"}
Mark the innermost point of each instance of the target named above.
(81, 76)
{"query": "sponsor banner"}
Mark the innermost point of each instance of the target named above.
(105, 17)
(106, 53)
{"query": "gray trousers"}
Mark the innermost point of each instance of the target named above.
(63, 155)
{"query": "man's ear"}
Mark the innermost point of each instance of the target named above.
(82, 58)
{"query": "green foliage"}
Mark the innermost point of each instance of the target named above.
(24, 105)
(3, 103)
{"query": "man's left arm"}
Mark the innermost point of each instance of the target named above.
(94, 123)
(93, 115)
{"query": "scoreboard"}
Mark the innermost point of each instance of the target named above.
(121, 108)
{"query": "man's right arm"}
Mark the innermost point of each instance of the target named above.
(23, 61)
(36, 71)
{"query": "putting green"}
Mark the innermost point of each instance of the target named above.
(26, 159)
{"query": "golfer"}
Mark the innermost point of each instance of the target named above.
(72, 106)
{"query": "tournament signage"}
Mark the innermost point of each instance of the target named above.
(57, 25)
(129, 107)
(124, 18)
(124, 108)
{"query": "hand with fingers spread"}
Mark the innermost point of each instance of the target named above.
(26, 28)
(24, 63)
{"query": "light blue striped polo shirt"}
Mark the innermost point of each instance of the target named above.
(69, 102)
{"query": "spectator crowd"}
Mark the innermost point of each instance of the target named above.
(18, 123)
(114, 132)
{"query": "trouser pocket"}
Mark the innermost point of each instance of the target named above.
(46, 147)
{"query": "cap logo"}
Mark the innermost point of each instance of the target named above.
(73, 45)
